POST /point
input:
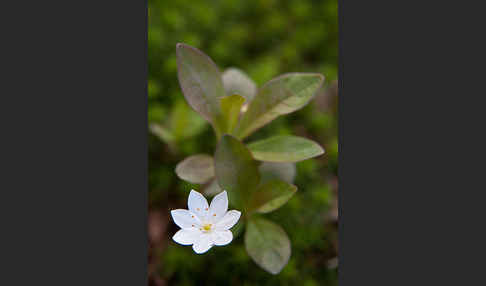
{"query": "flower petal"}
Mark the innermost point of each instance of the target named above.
(185, 218)
(203, 243)
(198, 204)
(221, 238)
(228, 220)
(187, 236)
(219, 206)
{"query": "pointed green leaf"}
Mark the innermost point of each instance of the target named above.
(267, 244)
(161, 132)
(231, 107)
(201, 83)
(184, 122)
(197, 169)
(285, 148)
(235, 169)
(271, 195)
(236, 81)
(280, 171)
(281, 95)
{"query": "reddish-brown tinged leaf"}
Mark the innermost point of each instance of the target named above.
(281, 95)
(198, 169)
(236, 81)
(201, 83)
(212, 188)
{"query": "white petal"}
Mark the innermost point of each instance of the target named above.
(187, 236)
(219, 206)
(221, 238)
(185, 219)
(228, 220)
(203, 243)
(198, 204)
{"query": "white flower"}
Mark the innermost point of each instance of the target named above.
(203, 226)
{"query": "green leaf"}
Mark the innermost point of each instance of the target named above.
(281, 171)
(197, 169)
(161, 132)
(271, 195)
(267, 244)
(237, 82)
(201, 83)
(281, 95)
(212, 188)
(285, 148)
(184, 122)
(231, 107)
(235, 169)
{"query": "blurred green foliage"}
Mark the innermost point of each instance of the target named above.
(264, 38)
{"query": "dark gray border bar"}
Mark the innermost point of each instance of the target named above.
(412, 123)
(73, 200)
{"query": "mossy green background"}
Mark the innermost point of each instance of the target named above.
(265, 39)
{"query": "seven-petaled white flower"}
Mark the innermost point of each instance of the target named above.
(202, 225)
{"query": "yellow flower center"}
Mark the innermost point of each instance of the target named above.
(207, 227)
